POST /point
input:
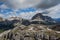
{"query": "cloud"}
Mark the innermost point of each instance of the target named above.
(30, 3)
(20, 3)
(2, 0)
(48, 7)
(54, 11)
(47, 4)
(27, 15)
(3, 6)
(1, 15)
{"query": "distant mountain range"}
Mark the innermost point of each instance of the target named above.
(57, 19)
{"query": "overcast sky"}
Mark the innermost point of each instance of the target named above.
(28, 8)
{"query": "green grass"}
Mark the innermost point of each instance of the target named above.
(1, 30)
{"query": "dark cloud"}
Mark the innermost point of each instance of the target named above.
(2, 0)
(47, 4)
(43, 4)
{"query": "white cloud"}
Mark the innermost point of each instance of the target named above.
(54, 12)
(3, 6)
(1, 15)
(27, 15)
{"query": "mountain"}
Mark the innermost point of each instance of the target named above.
(42, 18)
(33, 29)
(38, 17)
(57, 19)
(31, 32)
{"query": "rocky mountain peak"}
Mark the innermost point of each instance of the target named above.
(42, 18)
(37, 16)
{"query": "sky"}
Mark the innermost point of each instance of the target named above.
(28, 8)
